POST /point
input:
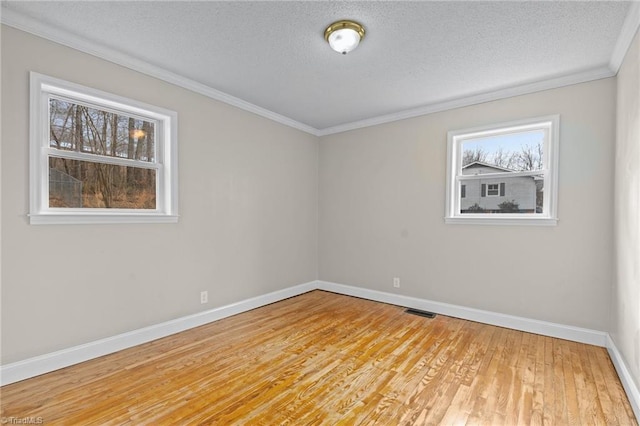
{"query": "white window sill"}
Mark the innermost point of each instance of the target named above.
(72, 219)
(511, 221)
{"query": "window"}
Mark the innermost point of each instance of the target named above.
(99, 158)
(493, 190)
(504, 174)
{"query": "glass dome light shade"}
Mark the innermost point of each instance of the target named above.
(344, 36)
(344, 40)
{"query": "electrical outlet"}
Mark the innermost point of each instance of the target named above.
(204, 296)
(396, 282)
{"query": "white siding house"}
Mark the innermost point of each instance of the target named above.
(487, 194)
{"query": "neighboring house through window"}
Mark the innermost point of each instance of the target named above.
(504, 174)
(99, 158)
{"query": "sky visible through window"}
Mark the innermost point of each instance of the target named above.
(517, 151)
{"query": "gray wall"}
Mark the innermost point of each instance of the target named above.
(248, 207)
(382, 195)
(251, 204)
(625, 308)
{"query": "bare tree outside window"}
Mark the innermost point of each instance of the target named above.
(89, 130)
(519, 152)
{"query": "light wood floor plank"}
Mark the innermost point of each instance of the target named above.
(537, 409)
(327, 359)
(547, 375)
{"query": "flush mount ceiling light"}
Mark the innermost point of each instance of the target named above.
(344, 36)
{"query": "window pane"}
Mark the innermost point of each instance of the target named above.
(521, 151)
(80, 128)
(84, 184)
(506, 194)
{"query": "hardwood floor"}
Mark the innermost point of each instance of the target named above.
(328, 359)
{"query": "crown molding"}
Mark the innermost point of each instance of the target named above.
(65, 38)
(30, 25)
(628, 31)
(553, 83)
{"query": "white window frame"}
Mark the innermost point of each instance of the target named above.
(551, 126)
(498, 190)
(166, 156)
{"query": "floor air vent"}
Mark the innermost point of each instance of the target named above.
(418, 312)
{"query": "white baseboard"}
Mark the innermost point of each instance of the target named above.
(42, 364)
(576, 334)
(35, 366)
(630, 387)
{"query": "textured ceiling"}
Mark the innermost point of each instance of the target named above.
(272, 54)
